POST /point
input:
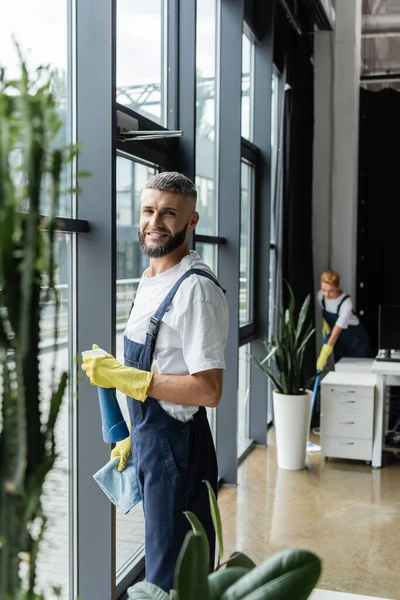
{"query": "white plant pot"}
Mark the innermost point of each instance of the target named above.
(292, 422)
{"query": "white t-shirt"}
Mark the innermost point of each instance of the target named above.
(193, 331)
(346, 316)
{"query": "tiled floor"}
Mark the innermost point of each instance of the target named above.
(345, 512)
(348, 513)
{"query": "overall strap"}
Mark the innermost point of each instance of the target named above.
(341, 302)
(323, 303)
(161, 310)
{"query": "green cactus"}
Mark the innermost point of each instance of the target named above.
(30, 166)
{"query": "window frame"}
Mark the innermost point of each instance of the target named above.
(250, 155)
(248, 32)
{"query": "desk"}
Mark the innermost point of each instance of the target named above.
(354, 365)
(387, 373)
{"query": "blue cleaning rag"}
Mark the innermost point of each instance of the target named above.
(121, 488)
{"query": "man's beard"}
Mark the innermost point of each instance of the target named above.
(173, 242)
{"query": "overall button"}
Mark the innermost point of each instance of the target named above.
(182, 464)
(183, 430)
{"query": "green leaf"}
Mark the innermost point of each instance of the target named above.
(198, 528)
(306, 339)
(269, 356)
(190, 580)
(57, 590)
(289, 574)
(270, 373)
(302, 316)
(84, 174)
(238, 559)
(309, 382)
(286, 351)
(55, 405)
(147, 591)
(292, 303)
(221, 580)
(216, 518)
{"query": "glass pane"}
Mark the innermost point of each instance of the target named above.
(206, 116)
(53, 564)
(274, 150)
(274, 156)
(247, 88)
(131, 177)
(209, 253)
(273, 254)
(141, 57)
(243, 398)
(246, 245)
(42, 44)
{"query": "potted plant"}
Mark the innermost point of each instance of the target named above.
(291, 396)
(31, 166)
(289, 575)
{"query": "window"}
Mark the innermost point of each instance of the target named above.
(243, 398)
(275, 274)
(273, 213)
(54, 567)
(247, 87)
(131, 177)
(206, 116)
(141, 57)
(42, 44)
(209, 253)
(246, 244)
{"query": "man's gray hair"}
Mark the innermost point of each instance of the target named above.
(171, 181)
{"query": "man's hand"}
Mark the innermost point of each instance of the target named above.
(107, 372)
(123, 450)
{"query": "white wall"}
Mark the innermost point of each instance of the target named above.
(346, 96)
(335, 185)
(322, 159)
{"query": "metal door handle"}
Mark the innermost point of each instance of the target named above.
(346, 422)
(346, 443)
(347, 401)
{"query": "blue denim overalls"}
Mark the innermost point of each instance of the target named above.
(353, 341)
(172, 459)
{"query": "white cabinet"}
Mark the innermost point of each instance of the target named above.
(347, 415)
(354, 365)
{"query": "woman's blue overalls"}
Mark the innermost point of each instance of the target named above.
(172, 459)
(353, 341)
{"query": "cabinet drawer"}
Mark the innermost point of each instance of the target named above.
(349, 405)
(337, 447)
(347, 425)
(347, 392)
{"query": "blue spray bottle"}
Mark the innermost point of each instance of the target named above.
(113, 423)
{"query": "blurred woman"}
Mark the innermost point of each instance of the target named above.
(347, 336)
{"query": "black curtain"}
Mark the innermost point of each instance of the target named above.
(295, 51)
(378, 206)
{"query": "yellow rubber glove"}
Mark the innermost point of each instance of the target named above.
(325, 328)
(107, 372)
(325, 353)
(123, 450)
